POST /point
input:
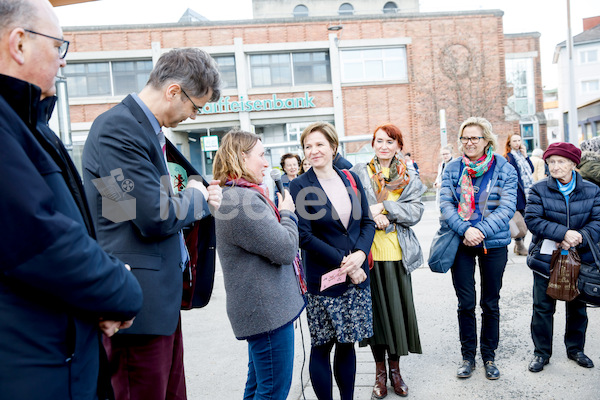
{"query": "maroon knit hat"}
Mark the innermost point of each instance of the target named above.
(563, 149)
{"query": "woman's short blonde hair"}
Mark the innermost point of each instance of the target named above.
(229, 160)
(486, 128)
(326, 129)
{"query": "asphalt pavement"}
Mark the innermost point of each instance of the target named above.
(216, 363)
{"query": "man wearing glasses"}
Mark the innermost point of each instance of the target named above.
(57, 286)
(127, 142)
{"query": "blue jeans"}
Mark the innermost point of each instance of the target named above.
(491, 270)
(270, 365)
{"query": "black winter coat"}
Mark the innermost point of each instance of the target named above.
(549, 217)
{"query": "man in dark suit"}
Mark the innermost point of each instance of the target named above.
(140, 217)
(57, 286)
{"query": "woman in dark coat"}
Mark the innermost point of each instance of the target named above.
(559, 209)
(477, 202)
(516, 154)
(336, 233)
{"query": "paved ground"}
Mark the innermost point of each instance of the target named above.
(216, 363)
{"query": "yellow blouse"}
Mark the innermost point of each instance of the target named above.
(385, 245)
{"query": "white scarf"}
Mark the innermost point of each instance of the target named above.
(524, 169)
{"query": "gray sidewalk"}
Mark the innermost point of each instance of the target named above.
(216, 363)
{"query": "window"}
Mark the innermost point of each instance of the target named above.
(227, 69)
(109, 78)
(130, 76)
(590, 86)
(519, 76)
(90, 79)
(310, 68)
(588, 56)
(300, 11)
(346, 9)
(390, 7)
(374, 64)
(287, 69)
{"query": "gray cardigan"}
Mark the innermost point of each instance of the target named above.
(256, 253)
(403, 213)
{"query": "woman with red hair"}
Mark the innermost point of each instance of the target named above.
(394, 195)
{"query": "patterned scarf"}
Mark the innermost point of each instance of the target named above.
(466, 205)
(298, 269)
(396, 182)
(524, 171)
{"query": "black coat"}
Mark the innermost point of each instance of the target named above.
(55, 281)
(549, 217)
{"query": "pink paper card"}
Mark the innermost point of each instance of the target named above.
(332, 278)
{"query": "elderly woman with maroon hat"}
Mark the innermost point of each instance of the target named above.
(558, 210)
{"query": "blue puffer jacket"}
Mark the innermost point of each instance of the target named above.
(497, 209)
(548, 216)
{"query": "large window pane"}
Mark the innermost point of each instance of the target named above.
(374, 64)
(270, 69)
(88, 79)
(130, 76)
(227, 69)
(311, 68)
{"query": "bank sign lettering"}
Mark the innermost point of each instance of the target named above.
(226, 106)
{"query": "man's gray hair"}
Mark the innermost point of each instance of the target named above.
(193, 69)
(14, 13)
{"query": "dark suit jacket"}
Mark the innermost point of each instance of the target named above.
(124, 138)
(324, 240)
(55, 281)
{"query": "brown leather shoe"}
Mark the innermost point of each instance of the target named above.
(380, 389)
(400, 387)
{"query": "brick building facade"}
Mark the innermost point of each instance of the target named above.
(355, 71)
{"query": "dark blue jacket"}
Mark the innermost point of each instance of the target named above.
(324, 239)
(122, 140)
(521, 199)
(498, 208)
(340, 162)
(548, 216)
(55, 281)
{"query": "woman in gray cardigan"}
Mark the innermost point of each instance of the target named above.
(257, 245)
(394, 195)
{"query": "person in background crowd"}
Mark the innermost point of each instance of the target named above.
(516, 154)
(446, 156)
(58, 289)
(410, 163)
(539, 166)
(558, 210)
(394, 195)
(263, 293)
(290, 163)
(478, 197)
(147, 361)
(336, 233)
(589, 167)
(304, 166)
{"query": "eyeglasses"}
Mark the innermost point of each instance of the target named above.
(62, 49)
(194, 104)
(474, 139)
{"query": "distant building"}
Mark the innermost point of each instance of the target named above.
(354, 70)
(586, 52)
(328, 8)
(553, 116)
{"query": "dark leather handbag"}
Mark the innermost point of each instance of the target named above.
(443, 249)
(588, 282)
(564, 271)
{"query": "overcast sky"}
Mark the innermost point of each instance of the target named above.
(545, 16)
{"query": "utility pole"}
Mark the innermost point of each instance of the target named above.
(572, 134)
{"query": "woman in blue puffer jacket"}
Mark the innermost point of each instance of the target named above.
(477, 201)
(559, 208)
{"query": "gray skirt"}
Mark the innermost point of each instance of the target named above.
(347, 318)
(394, 317)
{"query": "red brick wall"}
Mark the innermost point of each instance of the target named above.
(413, 106)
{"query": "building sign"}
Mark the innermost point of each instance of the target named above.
(209, 143)
(274, 104)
